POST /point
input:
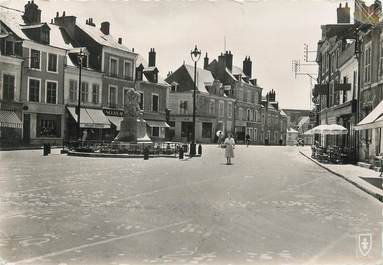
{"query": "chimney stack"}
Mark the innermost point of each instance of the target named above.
(229, 60)
(343, 14)
(119, 40)
(247, 66)
(152, 57)
(32, 13)
(105, 27)
(66, 22)
(205, 61)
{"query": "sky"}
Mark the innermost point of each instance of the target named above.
(271, 32)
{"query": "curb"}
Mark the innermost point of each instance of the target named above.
(372, 193)
(103, 155)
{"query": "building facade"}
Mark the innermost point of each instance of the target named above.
(214, 109)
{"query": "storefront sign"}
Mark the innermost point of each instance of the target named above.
(113, 112)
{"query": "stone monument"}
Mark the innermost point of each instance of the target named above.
(133, 126)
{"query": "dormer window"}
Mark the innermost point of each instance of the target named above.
(45, 36)
(9, 47)
(174, 87)
(155, 78)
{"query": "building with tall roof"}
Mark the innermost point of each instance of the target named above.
(214, 108)
(41, 79)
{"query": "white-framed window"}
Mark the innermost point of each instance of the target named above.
(212, 107)
(72, 90)
(255, 117)
(229, 109)
(112, 96)
(52, 63)
(183, 107)
(367, 64)
(51, 92)
(34, 88)
(95, 93)
(35, 59)
(221, 108)
(155, 102)
(113, 66)
(9, 85)
(255, 135)
(84, 92)
(128, 70)
(240, 112)
(248, 118)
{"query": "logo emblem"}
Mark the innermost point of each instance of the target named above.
(365, 244)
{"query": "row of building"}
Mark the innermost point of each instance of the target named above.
(40, 89)
(350, 79)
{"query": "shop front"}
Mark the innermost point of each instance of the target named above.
(94, 125)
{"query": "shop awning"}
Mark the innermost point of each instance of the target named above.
(161, 124)
(116, 121)
(90, 118)
(373, 120)
(9, 119)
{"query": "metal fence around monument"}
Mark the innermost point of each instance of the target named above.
(154, 149)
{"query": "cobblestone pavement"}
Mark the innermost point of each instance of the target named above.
(273, 206)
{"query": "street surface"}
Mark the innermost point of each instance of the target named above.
(273, 206)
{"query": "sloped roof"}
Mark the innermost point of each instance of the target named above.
(141, 60)
(101, 38)
(59, 38)
(204, 77)
(237, 70)
(13, 20)
(291, 130)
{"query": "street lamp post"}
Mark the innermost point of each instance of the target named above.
(195, 55)
(81, 56)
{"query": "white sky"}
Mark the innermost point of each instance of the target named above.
(271, 32)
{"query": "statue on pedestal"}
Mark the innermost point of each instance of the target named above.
(133, 126)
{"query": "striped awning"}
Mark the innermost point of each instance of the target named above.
(9, 119)
(90, 118)
(116, 121)
(161, 124)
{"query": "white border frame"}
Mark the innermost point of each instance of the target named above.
(57, 63)
(46, 91)
(158, 105)
(14, 74)
(116, 87)
(30, 59)
(110, 65)
(40, 97)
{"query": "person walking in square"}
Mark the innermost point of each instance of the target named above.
(229, 148)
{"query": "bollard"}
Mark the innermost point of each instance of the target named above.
(146, 153)
(200, 150)
(181, 153)
(45, 149)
